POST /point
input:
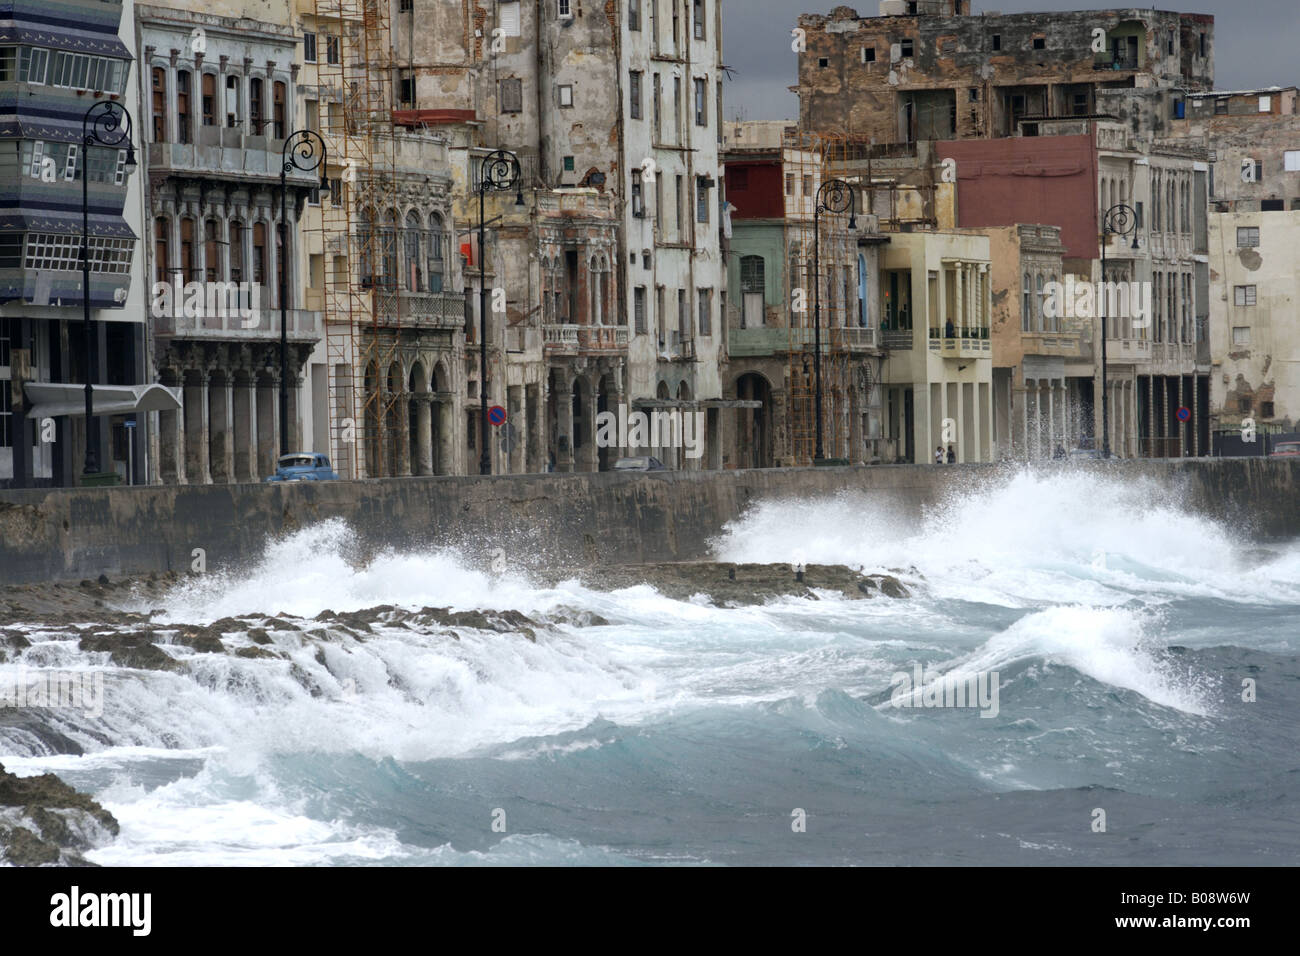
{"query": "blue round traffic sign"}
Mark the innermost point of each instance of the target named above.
(1184, 414)
(497, 415)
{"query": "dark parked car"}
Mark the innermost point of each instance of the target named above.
(303, 466)
(643, 463)
(1286, 449)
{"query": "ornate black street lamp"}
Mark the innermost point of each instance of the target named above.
(499, 172)
(1119, 220)
(107, 124)
(302, 150)
(835, 196)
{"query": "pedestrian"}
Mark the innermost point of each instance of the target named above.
(938, 455)
(950, 331)
(952, 455)
(550, 465)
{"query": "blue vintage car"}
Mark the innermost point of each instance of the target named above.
(303, 466)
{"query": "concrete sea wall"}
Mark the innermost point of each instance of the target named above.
(70, 534)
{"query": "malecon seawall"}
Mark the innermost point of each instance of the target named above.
(71, 534)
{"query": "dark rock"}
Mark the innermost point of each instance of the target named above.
(103, 580)
(256, 653)
(135, 650)
(206, 640)
(43, 821)
(258, 635)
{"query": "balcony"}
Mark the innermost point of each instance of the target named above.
(572, 339)
(520, 339)
(262, 324)
(226, 153)
(967, 343)
(681, 348)
(853, 338)
(440, 311)
(1062, 344)
(896, 339)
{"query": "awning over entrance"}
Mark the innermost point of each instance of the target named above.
(53, 399)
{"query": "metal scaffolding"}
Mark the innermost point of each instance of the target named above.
(359, 236)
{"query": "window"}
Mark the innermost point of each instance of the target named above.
(823, 62)
(1026, 305)
(568, 164)
(1040, 43)
(259, 252)
(706, 311)
(907, 48)
(634, 15)
(232, 101)
(277, 109)
(331, 49)
(638, 198)
(256, 118)
(309, 47)
(701, 103)
(701, 199)
(657, 94)
(697, 18)
(1272, 205)
(62, 253)
(512, 95)
(1243, 295)
(209, 99)
(566, 96)
(159, 105)
(211, 255)
(405, 6)
(1247, 236)
(563, 10)
(161, 246)
(634, 94)
(34, 163)
(70, 164)
(1266, 409)
(1291, 161)
(33, 65)
(1241, 335)
(752, 286)
(412, 265)
(997, 41)
(508, 17)
(1221, 104)
(1244, 405)
(638, 309)
(868, 54)
(8, 66)
(807, 184)
(81, 72)
(1202, 44)
(789, 184)
(435, 243)
(1266, 104)
(406, 89)
(188, 271)
(679, 198)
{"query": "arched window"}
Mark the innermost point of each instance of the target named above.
(161, 245)
(236, 250)
(188, 271)
(159, 111)
(182, 106)
(256, 106)
(1054, 323)
(411, 253)
(259, 253)
(1038, 307)
(594, 314)
(211, 251)
(388, 250)
(209, 99)
(435, 242)
(864, 319)
(278, 108)
(366, 269)
(1027, 305)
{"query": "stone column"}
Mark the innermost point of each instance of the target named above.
(1051, 416)
(294, 393)
(268, 424)
(565, 457)
(197, 465)
(244, 430)
(221, 419)
(171, 440)
(446, 437)
(424, 435)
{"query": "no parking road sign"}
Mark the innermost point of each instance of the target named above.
(497, 415)
(1184, 414)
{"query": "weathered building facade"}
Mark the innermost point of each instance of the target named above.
(1253, 140)
(219, 104)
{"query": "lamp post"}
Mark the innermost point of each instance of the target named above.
(499, 172)
(302, 150)
(1119, 220)
(835, 196)
(106, 124)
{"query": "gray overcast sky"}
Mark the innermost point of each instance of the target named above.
(1255, 44)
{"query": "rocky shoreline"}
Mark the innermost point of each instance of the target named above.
(45, 822)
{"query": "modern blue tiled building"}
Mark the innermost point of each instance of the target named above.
(58, 59)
